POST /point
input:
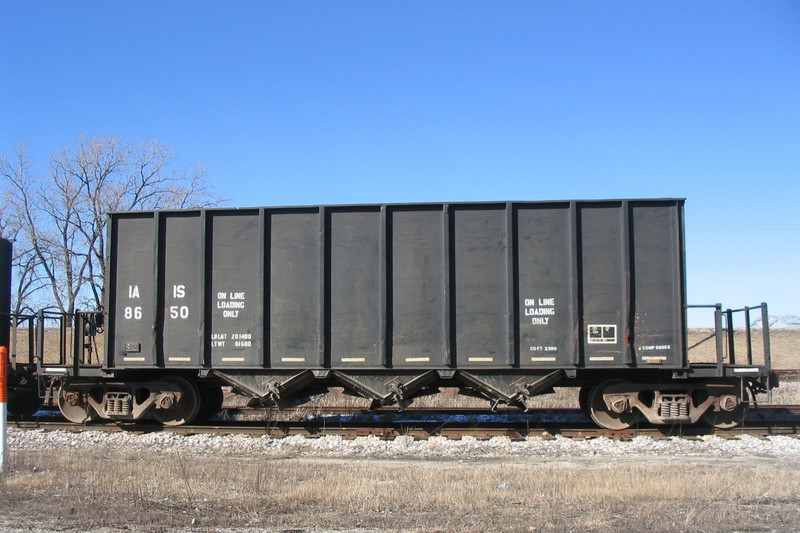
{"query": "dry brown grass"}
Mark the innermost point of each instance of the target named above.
(158, 493)
(784, 346)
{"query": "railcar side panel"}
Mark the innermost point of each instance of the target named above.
(356, 286)
(296, 325)
(235, 269)
(418, 289)
(180, 263)
(545, 299)
(131, 300)
(657, 268)
(605, 283)
(481, 286)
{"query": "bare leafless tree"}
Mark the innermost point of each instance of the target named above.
(20, 225)
(61, 218)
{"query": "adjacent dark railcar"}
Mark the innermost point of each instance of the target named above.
(503, 300)
(23, 398)
(5, 290)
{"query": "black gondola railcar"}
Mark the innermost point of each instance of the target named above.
(502, 300)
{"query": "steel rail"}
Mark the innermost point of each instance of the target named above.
(786, 374)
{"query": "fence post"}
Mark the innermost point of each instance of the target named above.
(3, 407)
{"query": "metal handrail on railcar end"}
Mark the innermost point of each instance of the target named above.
(725, 337)
(29, 349)
(15, 321)
(74, 349)
(50, 344)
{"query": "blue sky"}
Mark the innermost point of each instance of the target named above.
(303, 103)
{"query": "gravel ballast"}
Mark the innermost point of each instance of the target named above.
(400, 447)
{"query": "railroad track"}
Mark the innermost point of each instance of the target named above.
(425, 423)
(785, 375)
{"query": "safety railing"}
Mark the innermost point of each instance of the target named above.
(22, 348)
(736, 346)
(51, 339)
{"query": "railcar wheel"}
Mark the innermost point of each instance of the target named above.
(74, 407)
(604, 416)
(210, 402)
(730, 418)
(177, 411)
